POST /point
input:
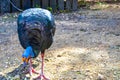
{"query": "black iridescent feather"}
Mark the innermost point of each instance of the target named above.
(36, 28)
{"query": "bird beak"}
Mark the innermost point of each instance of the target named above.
(24, 64)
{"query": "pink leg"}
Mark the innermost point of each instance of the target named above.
(31, 69)
(41, 75)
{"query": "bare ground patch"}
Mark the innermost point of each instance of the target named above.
(86, 47)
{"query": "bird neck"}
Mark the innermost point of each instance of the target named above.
(36, 53)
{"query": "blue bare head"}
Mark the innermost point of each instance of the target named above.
(28, 53)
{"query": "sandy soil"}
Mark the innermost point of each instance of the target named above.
(86, 47)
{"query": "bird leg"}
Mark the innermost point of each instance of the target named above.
(41, 75)
(31, 69)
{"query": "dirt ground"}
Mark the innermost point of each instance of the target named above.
(86, 47)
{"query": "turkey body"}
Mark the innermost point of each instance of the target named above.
(36, 28)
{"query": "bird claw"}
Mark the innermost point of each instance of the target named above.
(33, 71)
(41, 77)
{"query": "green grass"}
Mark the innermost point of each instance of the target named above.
(50, 9)
(37, 6)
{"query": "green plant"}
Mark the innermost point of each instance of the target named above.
(82, 2)
(100, 3)
(50, 9)
(37, 6)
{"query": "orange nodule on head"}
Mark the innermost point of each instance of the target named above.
(25, 59)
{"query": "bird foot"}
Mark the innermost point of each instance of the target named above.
(41, 77)
(33, 71)
(30, 71)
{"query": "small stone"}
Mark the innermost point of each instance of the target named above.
(91, 77)
(117, 34)
(8, 57)
(115, 73)
(74, 78)
(38, 59)
(102, 65)
(100, 77)
(6, 66)
(58, 55)
(1, 73)
(78, 72)
(27, 75)
(17, 77)
(84, 30)
(76, 34)
(87, 70)
(47, 60)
